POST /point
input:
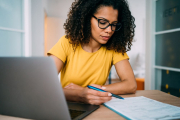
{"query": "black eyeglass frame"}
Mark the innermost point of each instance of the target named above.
(108, 25)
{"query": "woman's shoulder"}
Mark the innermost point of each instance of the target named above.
(64, 43)
(64, 40)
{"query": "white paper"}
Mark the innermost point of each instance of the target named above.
(142, 108)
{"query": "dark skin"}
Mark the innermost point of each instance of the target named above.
(123, 68)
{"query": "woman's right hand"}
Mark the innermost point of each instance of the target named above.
(94, 97)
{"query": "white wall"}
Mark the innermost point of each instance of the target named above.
(57, 8)
(37, 28)
(54, 31)
(57, 11)
(56, 14)
(137, 53)
(138, 10)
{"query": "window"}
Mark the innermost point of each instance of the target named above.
(164, 51)
(14, 28)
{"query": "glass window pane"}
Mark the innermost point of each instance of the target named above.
(11, 14)
(167, 14)
(168, 50)
(170, 82)
(11, 43)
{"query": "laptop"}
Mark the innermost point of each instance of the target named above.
(29, 88)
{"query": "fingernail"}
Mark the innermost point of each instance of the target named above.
(109, 94)
(113, 98)
(103, 88)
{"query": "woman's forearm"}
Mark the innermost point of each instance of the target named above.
(73, 95)
(123, 87)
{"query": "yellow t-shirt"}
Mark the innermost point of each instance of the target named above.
(84, 68)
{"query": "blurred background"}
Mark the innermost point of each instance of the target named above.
(31, 27)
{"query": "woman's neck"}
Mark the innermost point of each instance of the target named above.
(92, 46)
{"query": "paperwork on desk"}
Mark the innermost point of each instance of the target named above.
(142, 108)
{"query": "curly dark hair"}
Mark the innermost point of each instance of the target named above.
(78, 26)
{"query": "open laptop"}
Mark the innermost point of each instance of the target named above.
(29, 88)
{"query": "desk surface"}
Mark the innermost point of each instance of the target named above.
(104, 113)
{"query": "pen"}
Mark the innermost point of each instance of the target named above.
(95, 88)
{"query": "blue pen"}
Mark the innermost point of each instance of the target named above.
(95, 88)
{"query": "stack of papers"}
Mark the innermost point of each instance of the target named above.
(142, 108)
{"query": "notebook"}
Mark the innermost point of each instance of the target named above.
(29, 88)
(143, 108)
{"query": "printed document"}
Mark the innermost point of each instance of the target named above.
(142, 108)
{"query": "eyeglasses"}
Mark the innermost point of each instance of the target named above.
(103, 24)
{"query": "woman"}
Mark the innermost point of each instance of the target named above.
(98, 34)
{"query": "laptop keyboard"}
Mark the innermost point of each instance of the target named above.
(75, 113)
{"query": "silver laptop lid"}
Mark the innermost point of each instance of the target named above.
(29, 88)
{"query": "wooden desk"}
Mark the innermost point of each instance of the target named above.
(104, 113)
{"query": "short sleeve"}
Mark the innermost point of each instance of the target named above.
(61, 49)
(118, 57)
